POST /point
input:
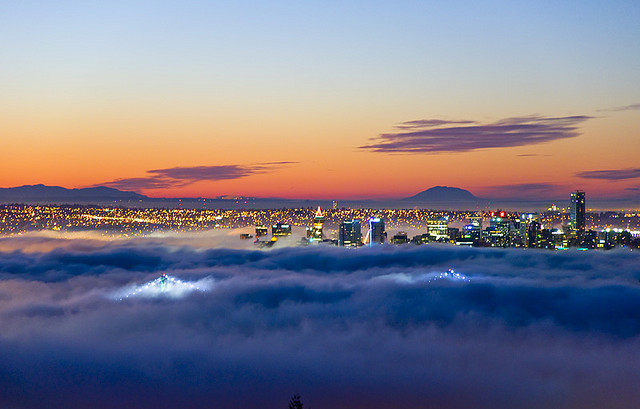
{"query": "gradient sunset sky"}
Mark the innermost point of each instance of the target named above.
(322, 99)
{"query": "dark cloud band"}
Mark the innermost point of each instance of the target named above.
(613, 174)
(459, 136)
(182, 176)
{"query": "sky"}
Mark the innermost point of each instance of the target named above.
(322, 99)
(369, 328)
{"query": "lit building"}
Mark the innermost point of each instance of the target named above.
(420, 239)
(281, 229)
(438, 229)
(315, 234)
(560, 240)
(377, 234)
(472, 232)
(499, 231)
(400, 238)
(577, 213)
(476, 221)
(530, 228)
(350, 233)
(534, 234)
(261, 231)
(453, 234)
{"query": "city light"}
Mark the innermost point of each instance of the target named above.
(165, 286)
(431, 277)
(448, 275)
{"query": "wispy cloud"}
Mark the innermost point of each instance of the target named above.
(429, 123)
(631, 107)
(612, 174)
(436, 135)
(182, 176)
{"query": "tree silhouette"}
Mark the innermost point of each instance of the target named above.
(295, 402)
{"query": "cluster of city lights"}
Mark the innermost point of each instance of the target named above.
(164, 286)
(420, 279)
(448, 275)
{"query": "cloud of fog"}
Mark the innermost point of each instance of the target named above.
(365, 328)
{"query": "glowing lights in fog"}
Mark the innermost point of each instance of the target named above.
(164, 286)
(448, 275)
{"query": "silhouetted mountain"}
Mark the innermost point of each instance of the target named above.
(57, 194)
(444, 194)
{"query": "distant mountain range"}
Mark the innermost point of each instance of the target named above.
(56, 194)
(437, 197)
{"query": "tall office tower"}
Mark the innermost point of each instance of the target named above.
(533, 234)
(377, 234)
(350, 233)
(530, 228)
(473, 230)
(438, 229)
(318, 221)
(499, 230)
(577, 213)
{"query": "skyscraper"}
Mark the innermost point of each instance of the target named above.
(438, 229)
(350, 233)
(577, 220)
(377, 234)
(316, 231)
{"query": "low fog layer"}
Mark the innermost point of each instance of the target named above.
(374, 327)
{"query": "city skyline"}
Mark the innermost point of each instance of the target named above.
(356, 204)
(354, 101)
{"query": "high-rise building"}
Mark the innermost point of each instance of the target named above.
(530, 228)
(498, 232)
(438, 229)
(534, 235)
(316, 230)
(472, 232)
(376, 234)
(577, 216)
(350, 233)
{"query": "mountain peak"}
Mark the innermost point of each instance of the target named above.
(443, 194)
